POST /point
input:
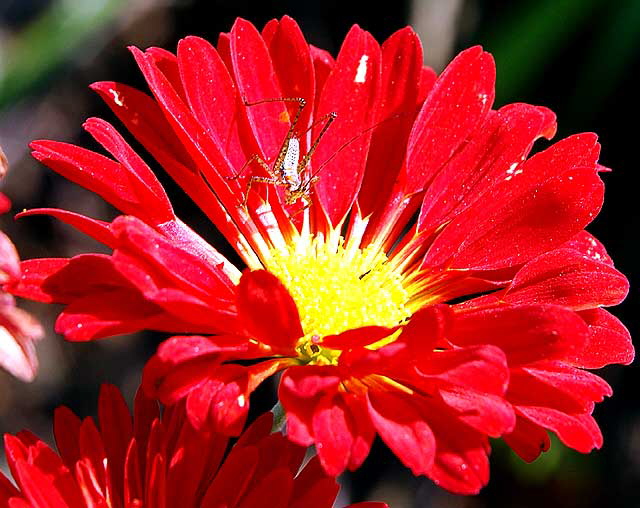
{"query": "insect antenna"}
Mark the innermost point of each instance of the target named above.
(354, 138)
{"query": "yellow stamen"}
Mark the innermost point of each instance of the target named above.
(338, 289)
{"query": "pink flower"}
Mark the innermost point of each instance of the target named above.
(18, 329)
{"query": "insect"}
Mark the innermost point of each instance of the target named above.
(288, 168)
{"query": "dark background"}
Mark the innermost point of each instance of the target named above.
(577, 57)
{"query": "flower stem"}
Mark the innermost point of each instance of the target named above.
(279, 417)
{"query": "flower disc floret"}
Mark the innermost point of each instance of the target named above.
(340, 287)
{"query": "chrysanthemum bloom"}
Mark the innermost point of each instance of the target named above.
(364, 263)
(155, 461)
(18, 329)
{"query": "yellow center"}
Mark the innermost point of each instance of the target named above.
(337, 288)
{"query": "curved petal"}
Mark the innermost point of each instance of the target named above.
(526, 333)
(566, 277)
(267, 310)
(523, 219)
(351, 91)
(609, 341)
(403, 429)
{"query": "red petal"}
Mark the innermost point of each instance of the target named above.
(332, 434)
(523, 219)
(256, 80)
(461, 463)
(526, 333)
(268, 311)
(566, 277)
(356, 338)
(313, 488)
(426, 328)
(34, 281)
(66, 428)
(488, 414)
(460, 98)
(557, 386)
(107, 178)
(289, 50)
(103, 314)
(351, 91)
(481, 368)
(609, 341)
(505, 136)
(579, 432)
(403, 429)
(139, 176)
(528, 440)
(96, 229)
(400, 94)
(233, 478)
(142, 116)
(276, 486)
(323, 63)
(588, 245)
(212, 95)
(167, 63)
(187, 269)
(299, 391)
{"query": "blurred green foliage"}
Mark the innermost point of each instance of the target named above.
(48, 41)
(530, 34)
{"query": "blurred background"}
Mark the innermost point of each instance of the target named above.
(578, 57)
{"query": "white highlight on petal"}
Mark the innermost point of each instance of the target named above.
(116, 97)
(361, 73)
(512, 171)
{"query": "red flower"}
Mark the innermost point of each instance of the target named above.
(155, 461)
(417, 196)
(18, 329)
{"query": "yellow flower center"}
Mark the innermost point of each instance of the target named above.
(337, 288)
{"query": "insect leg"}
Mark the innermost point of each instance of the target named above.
(259, 179)
(254, 158)
(285, 143)
(328, 120)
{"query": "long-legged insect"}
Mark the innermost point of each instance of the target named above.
(288, 166)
